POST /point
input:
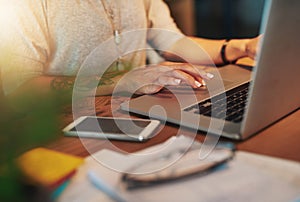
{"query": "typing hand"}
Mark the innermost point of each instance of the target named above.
(252, 47)
(151, 79)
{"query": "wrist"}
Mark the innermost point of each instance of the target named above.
(225, 60)
(236, 49)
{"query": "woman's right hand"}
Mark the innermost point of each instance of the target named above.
(151, 79)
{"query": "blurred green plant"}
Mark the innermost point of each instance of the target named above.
(20, 132)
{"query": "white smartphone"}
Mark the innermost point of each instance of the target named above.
(112, 128)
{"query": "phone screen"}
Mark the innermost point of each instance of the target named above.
(112, 126)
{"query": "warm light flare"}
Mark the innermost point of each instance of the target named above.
(7, 18)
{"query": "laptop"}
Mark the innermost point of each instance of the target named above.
(266, 93)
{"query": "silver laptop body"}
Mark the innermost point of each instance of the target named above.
(274, 82)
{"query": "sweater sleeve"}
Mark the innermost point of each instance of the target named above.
(25, 42)
(163, 31)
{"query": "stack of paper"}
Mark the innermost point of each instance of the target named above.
(248, 177)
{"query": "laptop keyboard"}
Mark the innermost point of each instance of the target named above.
(229, 106)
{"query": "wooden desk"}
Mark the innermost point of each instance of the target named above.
(282, 139)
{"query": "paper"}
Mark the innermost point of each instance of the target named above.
(47, 167)
(248, 177)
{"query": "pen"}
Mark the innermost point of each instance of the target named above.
(104, 187)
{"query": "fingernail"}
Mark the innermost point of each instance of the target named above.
(177, 81)
(209, 75)
(198, 84)
(203, 83)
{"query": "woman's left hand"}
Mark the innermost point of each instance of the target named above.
(252, 46)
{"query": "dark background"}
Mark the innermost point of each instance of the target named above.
(218, 19)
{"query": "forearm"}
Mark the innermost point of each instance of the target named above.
(206, 51)
(30, 93)
(235, 49)
(40, 89)
(109, 85)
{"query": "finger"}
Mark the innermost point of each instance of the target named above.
(167, 80)
(194, 70)
(203, 74)
(174, 72)
(186, 78)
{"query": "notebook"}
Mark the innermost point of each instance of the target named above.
(271, 85)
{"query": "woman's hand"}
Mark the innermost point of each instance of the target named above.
(252, 47)
(151, 79)
(240, 48)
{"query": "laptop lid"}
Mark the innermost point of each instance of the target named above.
(276, 81)
(273, 90)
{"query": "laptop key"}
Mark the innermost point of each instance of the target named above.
(231, 109)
